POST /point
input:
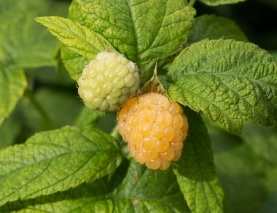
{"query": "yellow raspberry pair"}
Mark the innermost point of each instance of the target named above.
(153, 126)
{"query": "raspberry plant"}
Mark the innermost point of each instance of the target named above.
(57, 155)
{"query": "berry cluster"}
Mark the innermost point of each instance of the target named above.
(108, 81)
(154, 128)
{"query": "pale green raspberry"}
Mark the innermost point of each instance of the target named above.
(108, 81)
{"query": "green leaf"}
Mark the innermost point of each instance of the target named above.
(262, 141)
(195, 172)
(270, 205)
(75, 36)
(9, 131)
(229, 81)
(143, 31)
(55, 161)
(85, 198)
(142, 190)
(88, 117)
(23, 42)
(240, 172)
(214, 27)
(274, 53)
(220, 2)
(50, 98)
(12, 86)
(29, 51)
(107, 122)
(150, 191)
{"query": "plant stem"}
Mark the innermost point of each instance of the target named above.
(48, 121)
(192, 2)
(115, 132)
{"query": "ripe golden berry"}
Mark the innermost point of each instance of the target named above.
(154, 128)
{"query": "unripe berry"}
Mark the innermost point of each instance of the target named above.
(154, 128)
(108, 81)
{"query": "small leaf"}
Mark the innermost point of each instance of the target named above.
(76, 37)
(196, 170)
(12, 86)
(154, 84)
(229, 81)
(220, 2)
(55, 161)
(143, 31)
(214, 27)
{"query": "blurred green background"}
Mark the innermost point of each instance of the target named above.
(256, 18)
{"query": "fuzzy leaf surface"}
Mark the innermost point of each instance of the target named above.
(141, 190)
(75, 36)
(88, 197)
(143, 30)
(229, 81)
(12, 86)
(55, 161)
(196, 173)
(220, 2)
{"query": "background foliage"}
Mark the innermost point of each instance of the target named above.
(38, 94)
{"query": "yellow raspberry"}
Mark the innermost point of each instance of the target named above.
(154, 128)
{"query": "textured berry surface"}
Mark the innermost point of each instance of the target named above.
(108, 81)
(154, 128)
